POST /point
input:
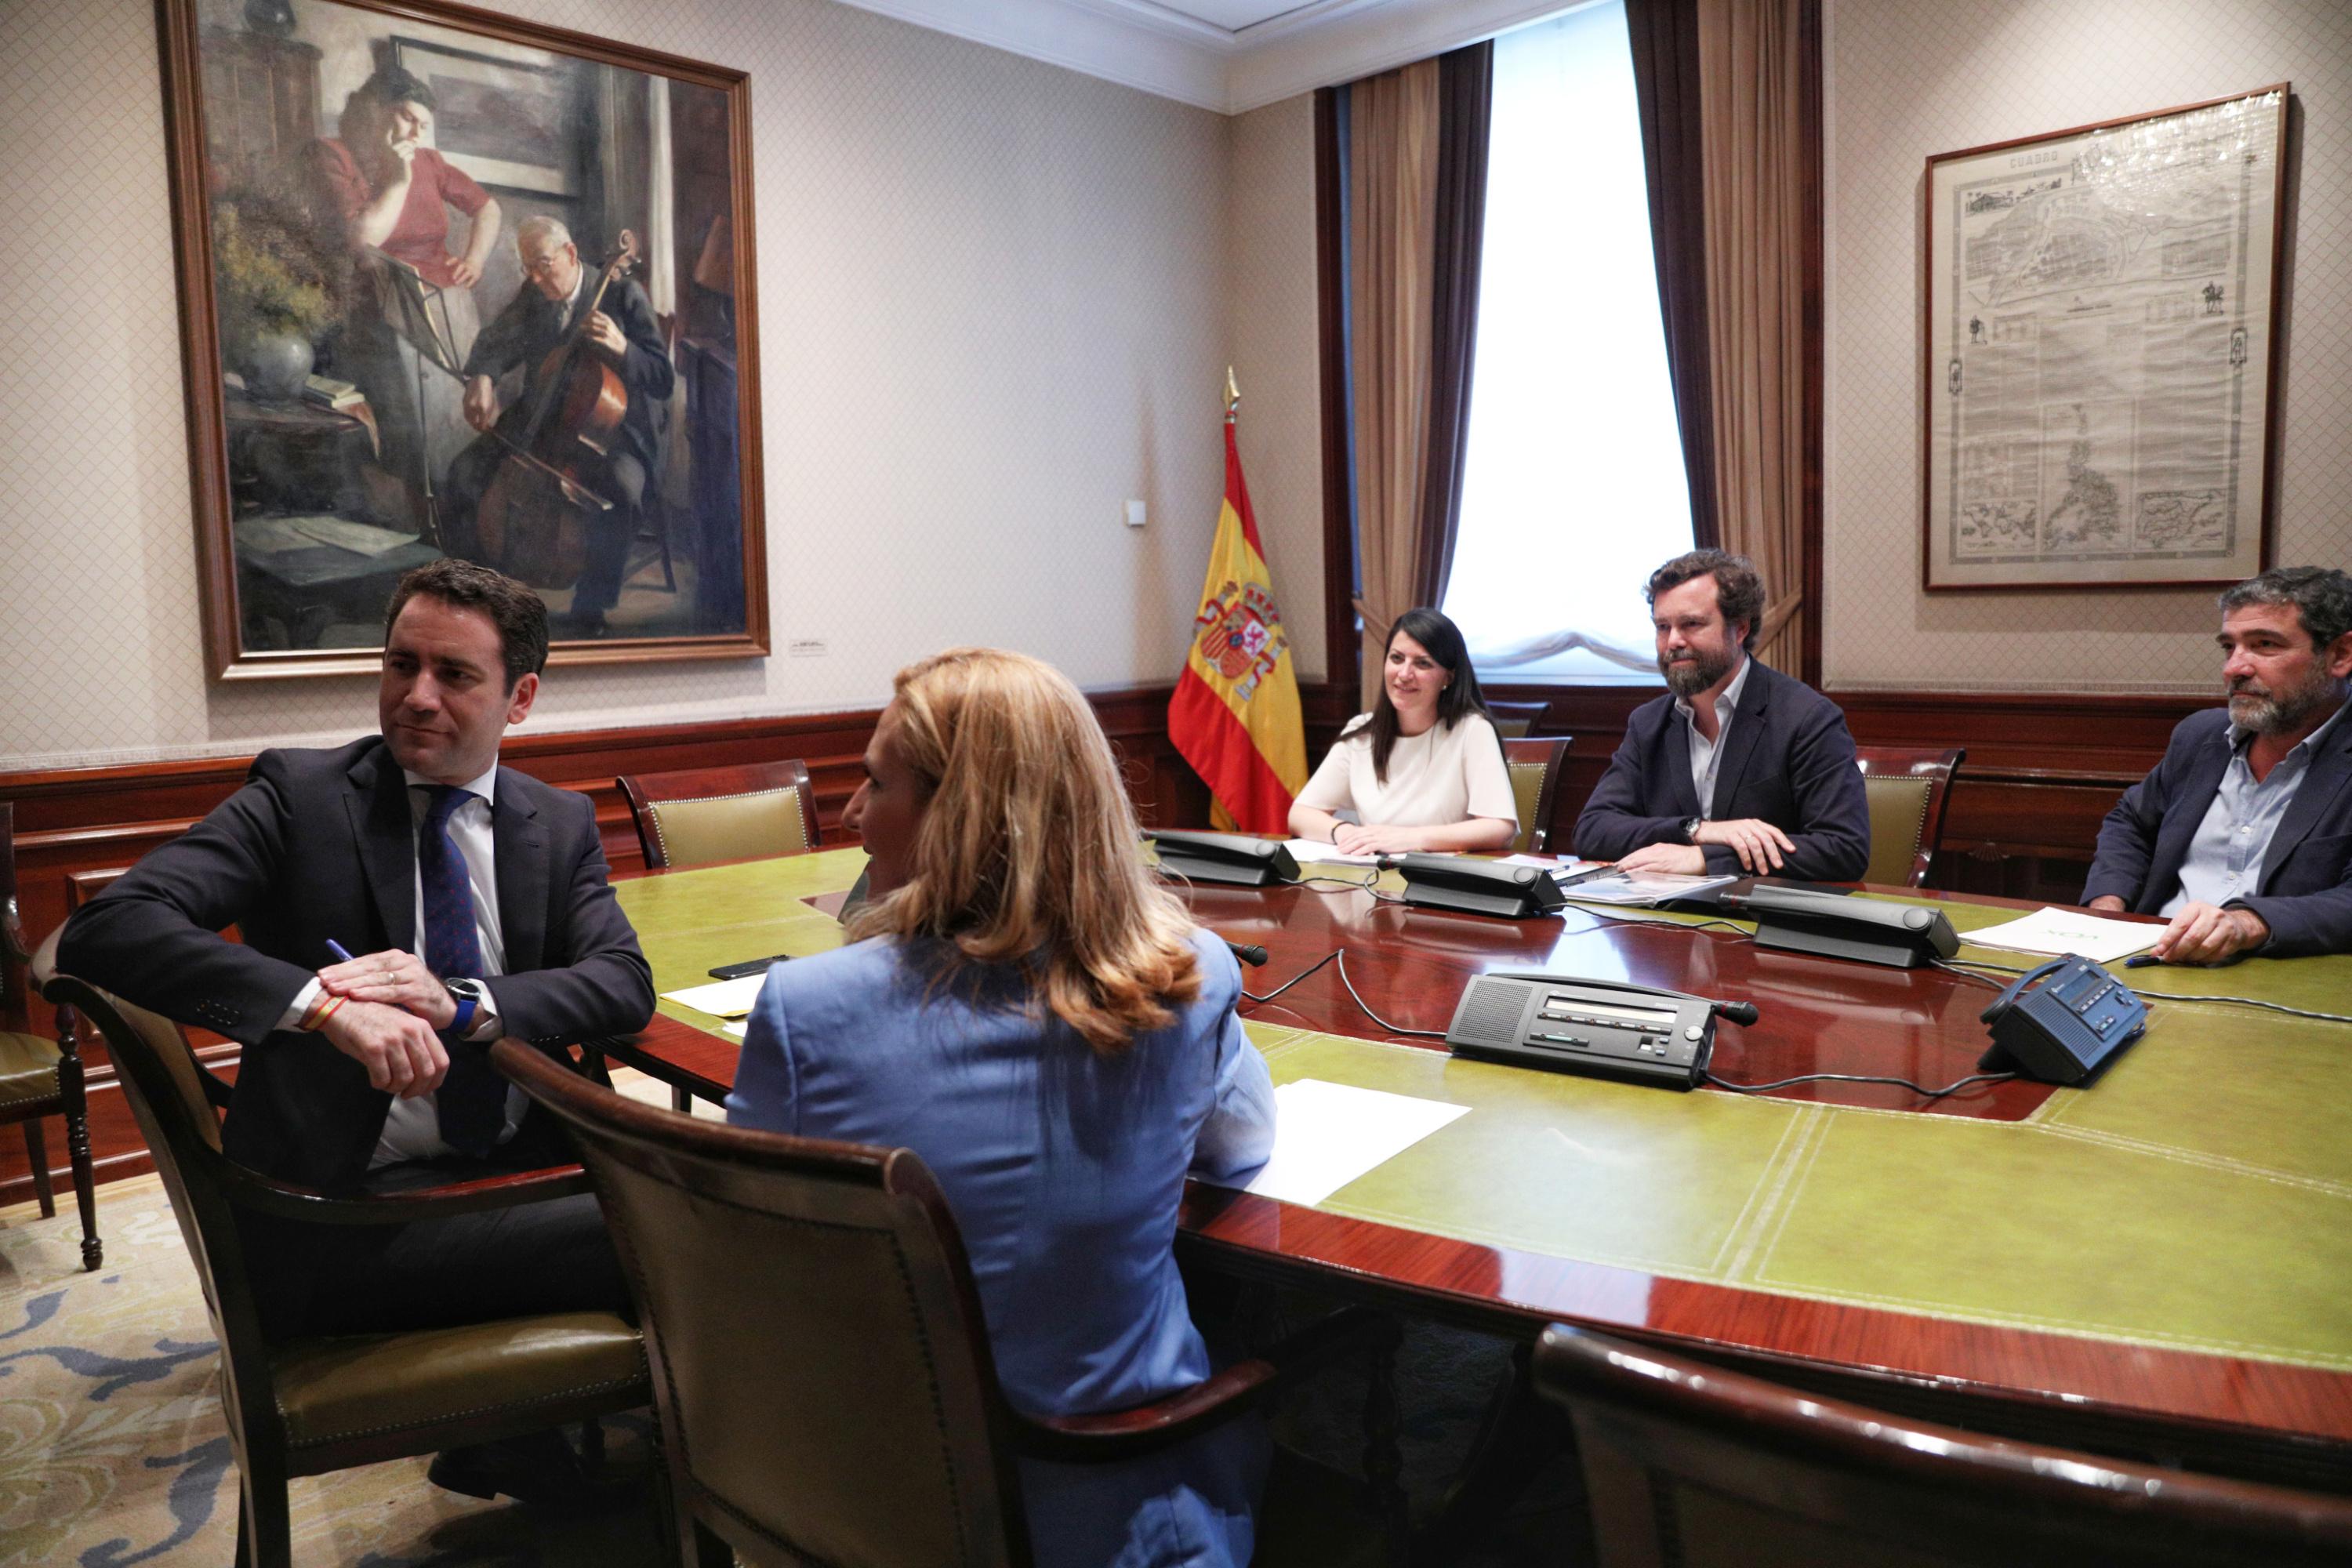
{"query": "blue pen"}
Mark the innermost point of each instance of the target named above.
(337, 949)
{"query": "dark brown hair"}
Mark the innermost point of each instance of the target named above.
(1739, 588)
(519, 613)
(1437, 633)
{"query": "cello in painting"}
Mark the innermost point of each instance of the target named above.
(554, 482)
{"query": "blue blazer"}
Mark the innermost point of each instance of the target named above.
(1788, 761)
(1064, 1170)
(2305, 894)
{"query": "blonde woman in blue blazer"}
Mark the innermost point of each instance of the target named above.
(1025, 1009)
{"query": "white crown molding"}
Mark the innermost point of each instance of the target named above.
(1107, 38)
(1148, 46)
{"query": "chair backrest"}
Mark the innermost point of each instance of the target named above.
(695, 816)
(14, 948)
(821, 1365)
(1908, 792)
(1516, 721)
(1692, 1464)
(162, 1080)
(1535, 782)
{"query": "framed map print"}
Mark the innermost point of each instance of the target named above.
(454, 284)
(2099, 351)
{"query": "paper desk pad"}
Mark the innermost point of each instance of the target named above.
(2199, 1197)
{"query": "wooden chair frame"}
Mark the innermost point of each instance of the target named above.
(1934, 765)
(164, 1082)
(70, 1100)
(1519, 721)
(1887, 1486)
(831, 1184)
(645, 791)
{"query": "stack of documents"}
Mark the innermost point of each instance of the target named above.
(721, 998)
(2058, 932)
(1597, 882)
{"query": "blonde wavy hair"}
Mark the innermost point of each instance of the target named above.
(1027, 854)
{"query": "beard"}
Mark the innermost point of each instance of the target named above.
(2281, 711)
(1694, 674)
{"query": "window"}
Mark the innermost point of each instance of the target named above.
(1573, 485)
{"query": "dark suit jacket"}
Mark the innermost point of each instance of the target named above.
(1788, 761)
(2305, 894)
(532, 324)
(319, 845)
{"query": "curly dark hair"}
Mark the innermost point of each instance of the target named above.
(1739, 586)
(2322, 597)
(519, 614)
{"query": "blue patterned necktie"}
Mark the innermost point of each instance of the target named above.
(472, 1100)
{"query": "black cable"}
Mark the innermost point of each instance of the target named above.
(1294, 979)
(1613, 914)
(1364, 886)
(1861, 1078)
(1375, 1017)
(1954, 966)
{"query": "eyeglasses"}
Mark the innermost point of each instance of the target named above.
(545, 264)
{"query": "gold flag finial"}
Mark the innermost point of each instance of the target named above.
(1233, 392)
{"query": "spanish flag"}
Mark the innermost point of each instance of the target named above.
(1236, 713)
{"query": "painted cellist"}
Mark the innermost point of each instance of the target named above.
(563, 314)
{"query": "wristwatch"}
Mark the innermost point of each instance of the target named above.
(1690, 829)
(468, 995)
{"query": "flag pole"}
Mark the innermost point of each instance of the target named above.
(1233, 395)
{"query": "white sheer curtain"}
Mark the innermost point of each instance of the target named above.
(1574, 487)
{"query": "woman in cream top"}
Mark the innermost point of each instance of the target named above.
(1423, 770)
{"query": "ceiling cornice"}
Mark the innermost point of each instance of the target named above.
(1142, 45)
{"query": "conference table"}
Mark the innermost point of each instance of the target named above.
(2157, 1264)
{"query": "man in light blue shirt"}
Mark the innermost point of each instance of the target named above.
(2243, 835)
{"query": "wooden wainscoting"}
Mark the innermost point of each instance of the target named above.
(79, 826)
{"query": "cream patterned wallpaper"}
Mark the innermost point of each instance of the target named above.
(1272, 285)
(995, 302)
(1907, 78)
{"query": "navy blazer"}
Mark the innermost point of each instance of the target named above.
(1787, 760)
(2306, 894)
(320, 844)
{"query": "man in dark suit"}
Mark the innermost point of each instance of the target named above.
(622, 330)
(1738, 769)
(2243, 835)
(474, 899)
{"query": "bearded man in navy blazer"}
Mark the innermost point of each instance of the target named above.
(1738, 769)
(2243, 836)
(474, 900)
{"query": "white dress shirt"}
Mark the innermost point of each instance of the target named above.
(1705, 755)
(413, 1130)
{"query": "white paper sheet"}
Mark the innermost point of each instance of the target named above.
(1311, 852)
(2053, 931)
(1328, 1135)
(737, 1030)
(1644, 889)
(721, 998)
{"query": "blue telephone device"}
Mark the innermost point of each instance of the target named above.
(2065, 1028)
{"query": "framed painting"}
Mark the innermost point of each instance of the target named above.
(457, 285)
(2100, 352)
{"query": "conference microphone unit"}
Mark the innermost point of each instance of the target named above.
(1234, 858)
(1835, 925)
(1476, 887)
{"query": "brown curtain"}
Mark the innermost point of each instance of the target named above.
(1664, 35)
(1751, 57)
(1416, 209)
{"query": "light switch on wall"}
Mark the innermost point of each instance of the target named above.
(1135, 514)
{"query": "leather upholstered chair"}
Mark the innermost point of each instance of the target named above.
(822, 1373)
(695, 816)
(1535, 781)
(1693, 1465)
(1516, 721)
(1908, 792)
(40, 1077)
(307, 1406)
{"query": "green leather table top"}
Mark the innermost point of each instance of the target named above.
(2199, 1196)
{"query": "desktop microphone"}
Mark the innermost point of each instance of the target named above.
(1249, 953)
(1735, 1012)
